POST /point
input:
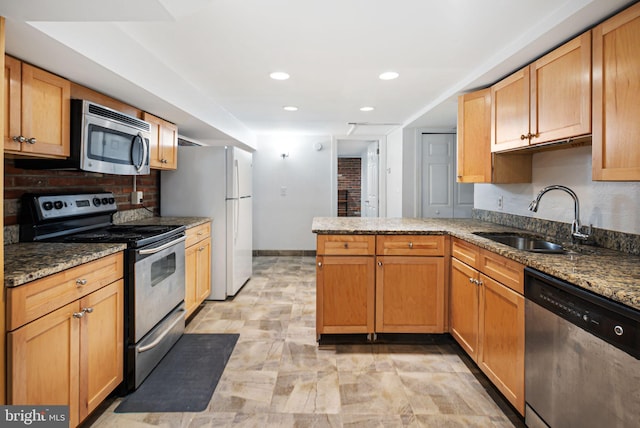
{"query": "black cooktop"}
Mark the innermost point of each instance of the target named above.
(134, 235)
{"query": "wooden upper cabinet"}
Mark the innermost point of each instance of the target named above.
(561, 92)
(510, 112)
(163, 144)
(546, 101)
(36, 111)
(616, 91)
(474, 137)
(476, 163)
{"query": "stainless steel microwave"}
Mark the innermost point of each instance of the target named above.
(102, 140)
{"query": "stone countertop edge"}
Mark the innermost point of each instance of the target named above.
(608, 273)
(27, 261)
(188, 222)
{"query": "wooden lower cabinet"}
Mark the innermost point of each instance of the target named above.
(345, 294)
(501, 339)
(410, 294)
(73, 354)
(487, 315)
(197, 267)
(464, 295)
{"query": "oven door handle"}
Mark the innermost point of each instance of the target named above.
(159, 339)
(162, 247)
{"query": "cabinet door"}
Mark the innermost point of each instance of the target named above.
(345, 294)
(203, 276)
(46, 100)
(101, 345)
(463, 307)
(409, 294)
(510, 112)
(501, 352)
(561, 92)
(43, 361)
(12, 103)
(474, 137)
(616, 73)
(191, 274)
(164, 143)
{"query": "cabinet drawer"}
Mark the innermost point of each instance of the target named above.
(465, 252)
(346, 245)
(506, 271)
(410, 245)
(30, 301)
(197, 234)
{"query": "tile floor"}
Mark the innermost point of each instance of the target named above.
(279, 376)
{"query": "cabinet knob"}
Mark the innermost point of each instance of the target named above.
(346, 245)
(479, 282)
(19, 139)
(524, 137)
(87, 310)
(78, 314)
(319, 264)
(201, 249)
(380, 264)
(32, 140)
(80, 282)
(410, 244)
(471, 280)
(164, 161)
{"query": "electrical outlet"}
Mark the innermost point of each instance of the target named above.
(136, 198)
(500, 202)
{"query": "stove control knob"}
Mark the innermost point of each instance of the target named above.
(112, 201)
(105, 201)
(57, 205)
(47, 205)
(96, 202)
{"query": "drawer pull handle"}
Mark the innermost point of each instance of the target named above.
(80, 282)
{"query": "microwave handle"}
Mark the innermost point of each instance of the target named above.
(145, 151)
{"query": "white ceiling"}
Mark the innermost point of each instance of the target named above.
(205, 64)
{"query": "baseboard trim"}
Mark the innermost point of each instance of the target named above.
(284, 253)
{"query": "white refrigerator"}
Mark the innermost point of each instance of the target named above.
(215, 182)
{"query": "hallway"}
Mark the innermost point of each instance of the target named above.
(278, 375)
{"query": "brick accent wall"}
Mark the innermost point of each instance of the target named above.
(19, 181)
(350, 179)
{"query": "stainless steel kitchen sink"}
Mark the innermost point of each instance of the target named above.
(523, 241)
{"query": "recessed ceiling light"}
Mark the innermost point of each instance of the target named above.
(279, 75)
(389, 75)
(290, 108)
(367, 108)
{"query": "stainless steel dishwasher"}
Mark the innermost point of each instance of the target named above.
(581, 357)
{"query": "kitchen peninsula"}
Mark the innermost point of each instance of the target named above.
(409, 275)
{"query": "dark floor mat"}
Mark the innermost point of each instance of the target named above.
(185, 378)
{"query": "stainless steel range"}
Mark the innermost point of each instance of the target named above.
(154, 269)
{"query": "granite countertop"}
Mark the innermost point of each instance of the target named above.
(608, 273)
(28, 261)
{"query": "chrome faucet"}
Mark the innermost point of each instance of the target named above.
(576, 227)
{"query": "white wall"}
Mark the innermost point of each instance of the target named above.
(394, 173)
(283, 221)
(606, 205)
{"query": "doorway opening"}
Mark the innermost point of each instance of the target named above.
(357, 178)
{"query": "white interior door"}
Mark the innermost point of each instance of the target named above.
(372, 200)
(441, 196)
